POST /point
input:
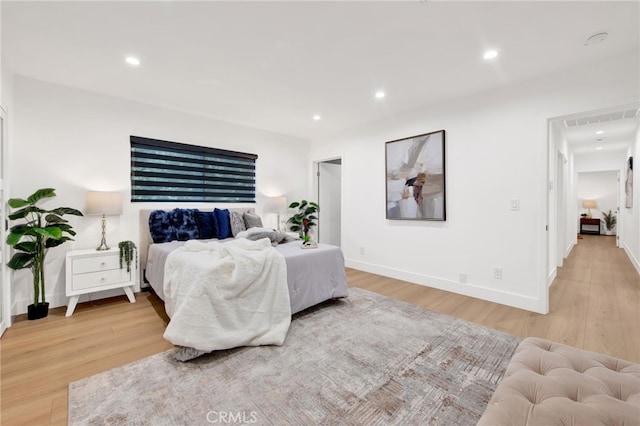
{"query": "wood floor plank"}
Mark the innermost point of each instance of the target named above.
(593, 305)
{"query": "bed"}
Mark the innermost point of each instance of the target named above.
(312, 275)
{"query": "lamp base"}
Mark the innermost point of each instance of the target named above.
(103, 244)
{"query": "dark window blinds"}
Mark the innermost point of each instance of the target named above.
(170, 171)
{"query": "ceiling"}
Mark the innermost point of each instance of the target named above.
(273, 65)
(610, 130)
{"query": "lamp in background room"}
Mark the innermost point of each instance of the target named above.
(589, 204)
(276, 205)
(105, 204)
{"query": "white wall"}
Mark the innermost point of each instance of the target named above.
(496, 148)
(599, 161)
(602, 187)
(75, 141)
(631, 216)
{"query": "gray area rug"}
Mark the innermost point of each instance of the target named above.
(365, 360)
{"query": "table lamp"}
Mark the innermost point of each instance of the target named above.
(104, 204)
(276, 205)
(589, 204)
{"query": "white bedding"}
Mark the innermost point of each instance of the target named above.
(225, 295)
(313, 275)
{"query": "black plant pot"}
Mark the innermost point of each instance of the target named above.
(41, 310)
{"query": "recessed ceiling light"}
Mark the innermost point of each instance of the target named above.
(316, 117)
(132, 60)
(490, 54)
(380, 94)
(599, 148)
(599, 132)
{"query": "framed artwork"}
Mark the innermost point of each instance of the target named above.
(628, 184)
(415, 181)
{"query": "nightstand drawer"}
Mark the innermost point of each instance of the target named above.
(96, 263)
(99, 279)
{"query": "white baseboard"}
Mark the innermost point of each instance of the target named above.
(567, 251)
(552, 276)
(634, 261)
(479, 292)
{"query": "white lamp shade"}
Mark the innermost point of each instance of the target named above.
(275, 205)
(104, 203)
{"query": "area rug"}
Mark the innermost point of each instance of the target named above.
(364, 360)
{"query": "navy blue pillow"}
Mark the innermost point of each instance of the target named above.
(184, 222)
(161, 226)
(206, 224)
(223, 223)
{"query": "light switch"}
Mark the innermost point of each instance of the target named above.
(515, 204)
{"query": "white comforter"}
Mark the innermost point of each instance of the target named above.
(221, 296)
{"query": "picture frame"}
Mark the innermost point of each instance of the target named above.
(628, 184)
(415, 177)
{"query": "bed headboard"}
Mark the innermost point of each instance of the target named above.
(145, 240)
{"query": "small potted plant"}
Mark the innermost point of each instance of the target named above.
(128, 250)
(303, 220)
(38, 231)
(610, 220)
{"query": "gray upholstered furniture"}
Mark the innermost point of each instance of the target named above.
(548, 383)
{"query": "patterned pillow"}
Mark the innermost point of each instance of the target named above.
(184, 222)
(161, 226)
(223, 223)
(206, 224)
(252, 220)
(237, 223)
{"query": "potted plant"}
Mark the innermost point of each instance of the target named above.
(610, 220)
(127, 250)
(303, 220)
(39, 231)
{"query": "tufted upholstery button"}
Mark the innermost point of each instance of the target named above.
(548, 383)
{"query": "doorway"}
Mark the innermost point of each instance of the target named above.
(329, 187)
(5, 313)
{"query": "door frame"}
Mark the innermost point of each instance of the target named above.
(5, 283)
(316, 187)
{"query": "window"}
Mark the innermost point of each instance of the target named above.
(170, 171)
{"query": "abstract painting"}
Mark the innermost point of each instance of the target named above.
(415, 181)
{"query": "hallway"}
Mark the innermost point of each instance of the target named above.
(598, 292)
(594, 302)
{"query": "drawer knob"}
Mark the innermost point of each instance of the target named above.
(103, 279)
(103, 263)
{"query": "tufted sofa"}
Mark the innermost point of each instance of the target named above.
(547, 383)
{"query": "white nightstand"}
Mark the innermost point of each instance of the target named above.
(88, 271)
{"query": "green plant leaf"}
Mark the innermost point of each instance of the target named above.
(41, 194)
(54, 218)
(55, 243)
(21, 261)
(49, 232)
(66, 210)
(294, 205)
(16, 203)
(13, 238)
(312, 217)
(314, 205)
(26, 246)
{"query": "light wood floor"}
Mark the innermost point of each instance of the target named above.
(595, 305)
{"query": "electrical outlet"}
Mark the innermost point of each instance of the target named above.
(462, 278)
(497, 273)
(362, 250)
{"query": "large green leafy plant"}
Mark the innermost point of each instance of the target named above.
(303, 220)
(38, 231)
